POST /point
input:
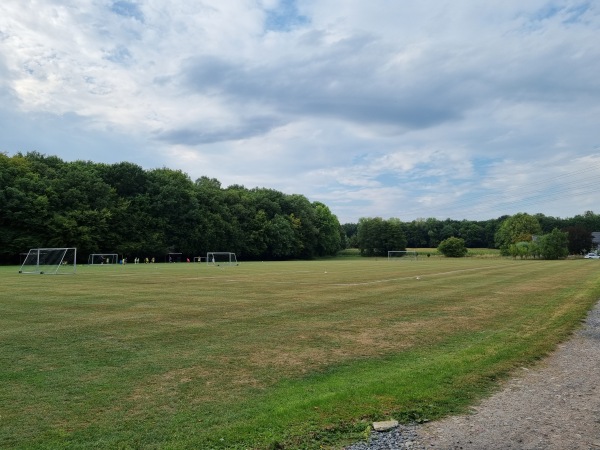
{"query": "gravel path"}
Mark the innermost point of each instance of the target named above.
(554, 406)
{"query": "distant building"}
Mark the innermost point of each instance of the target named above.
(596, 240)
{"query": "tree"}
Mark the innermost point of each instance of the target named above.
(280, 237)
(554, 245)
(519, 228)
(588, 220)
(329, 239)
(416, 233)
(453, 247)
(377, 236)
(524, 249)
(351, 230)
(580, 239)
(302, 216)
(472, 233)
(447, 231)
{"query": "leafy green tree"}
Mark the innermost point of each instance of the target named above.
(212, 216)
(174, 210)
(447, 231)
(329, 239)
(434, 228)
(548, 223)
(370, 232)
(377, 236)
(554, 245)
(395, 237)
(519, 228)
(280, 237)
(453, 247)
(302, 216)
(351, 230)
(82, 204)
(24, 207)
(472, 233)
(257, 244)
(524, 250)
(416, 233)
(588, 220)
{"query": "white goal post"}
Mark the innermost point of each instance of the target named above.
(221, 258)
(103, 258)
(407, 254)
(200, 258)
(50, 261)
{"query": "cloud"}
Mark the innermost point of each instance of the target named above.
(430, 108)
(254, 126)
(329, 79)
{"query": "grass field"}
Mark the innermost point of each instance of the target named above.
(299, 355)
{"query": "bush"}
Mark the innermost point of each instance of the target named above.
(453, 247)
(555, 245)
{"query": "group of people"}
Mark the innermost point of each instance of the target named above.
(136, 260)
(147, 260)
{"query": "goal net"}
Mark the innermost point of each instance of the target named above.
(221, 259)
(103, 258)
(404, 254)
(50, 261)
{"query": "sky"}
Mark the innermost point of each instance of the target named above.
(408, 109)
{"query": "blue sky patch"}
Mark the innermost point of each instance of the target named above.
(575, 13)
(285, 17)
(119, 55)
(127, 9)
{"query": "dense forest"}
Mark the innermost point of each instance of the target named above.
(122, 208)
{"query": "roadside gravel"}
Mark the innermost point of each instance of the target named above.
(553, 406)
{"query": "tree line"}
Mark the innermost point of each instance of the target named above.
(519, 235)
(122, 208)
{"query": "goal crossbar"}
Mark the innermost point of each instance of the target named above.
(50, 261)
(221, 258)
(408, 254)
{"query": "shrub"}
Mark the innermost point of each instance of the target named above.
(453, 247)
(555, 245)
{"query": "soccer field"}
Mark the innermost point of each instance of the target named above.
(269, 354)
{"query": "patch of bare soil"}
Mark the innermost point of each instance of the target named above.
(553, 406)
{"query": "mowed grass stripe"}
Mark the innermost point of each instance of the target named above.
(295, 353)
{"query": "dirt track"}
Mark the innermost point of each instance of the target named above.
(554, 406)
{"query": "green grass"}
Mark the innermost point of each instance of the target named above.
(299, 355)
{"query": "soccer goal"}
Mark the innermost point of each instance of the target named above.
(221, 259)
(200, 258)
(103, 258)
(50, 261)
(405, 254)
